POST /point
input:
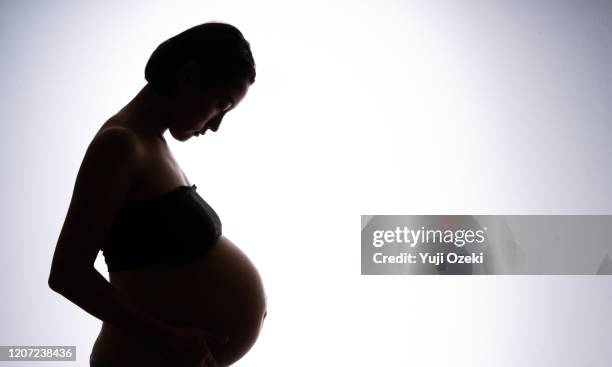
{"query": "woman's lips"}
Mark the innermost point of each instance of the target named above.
(202, 132)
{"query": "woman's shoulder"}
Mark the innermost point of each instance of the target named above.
(120, 127)
(113, 147)
(115, 127)
(115, 135)
(116, 141)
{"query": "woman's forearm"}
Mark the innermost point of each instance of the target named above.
(93, 293)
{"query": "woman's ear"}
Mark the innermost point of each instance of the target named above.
(188, 75)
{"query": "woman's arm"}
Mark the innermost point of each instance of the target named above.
(108, 170)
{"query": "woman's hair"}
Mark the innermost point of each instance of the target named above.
(220, 50)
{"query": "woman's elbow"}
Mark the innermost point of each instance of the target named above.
(59, 280)
(56, 276)
(54, 282)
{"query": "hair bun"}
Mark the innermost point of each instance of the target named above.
(219, 48)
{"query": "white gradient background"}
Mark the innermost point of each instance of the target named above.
(360, 107)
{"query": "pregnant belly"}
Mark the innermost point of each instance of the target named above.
(221, 292)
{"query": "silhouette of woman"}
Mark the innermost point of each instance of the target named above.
(180, 293)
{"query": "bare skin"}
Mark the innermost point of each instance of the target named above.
(221, 292)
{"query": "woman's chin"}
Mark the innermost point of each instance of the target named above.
(181, 136)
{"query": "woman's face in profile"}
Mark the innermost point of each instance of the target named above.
(198, 111)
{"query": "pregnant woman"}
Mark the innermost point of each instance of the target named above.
(181, 294)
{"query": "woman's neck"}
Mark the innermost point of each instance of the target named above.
(148, 112)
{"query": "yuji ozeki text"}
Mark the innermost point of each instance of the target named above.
(411, 237)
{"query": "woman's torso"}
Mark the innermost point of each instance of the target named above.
(221, 291)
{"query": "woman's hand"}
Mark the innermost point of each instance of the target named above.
(188, 347)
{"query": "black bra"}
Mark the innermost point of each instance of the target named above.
(173, 227)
